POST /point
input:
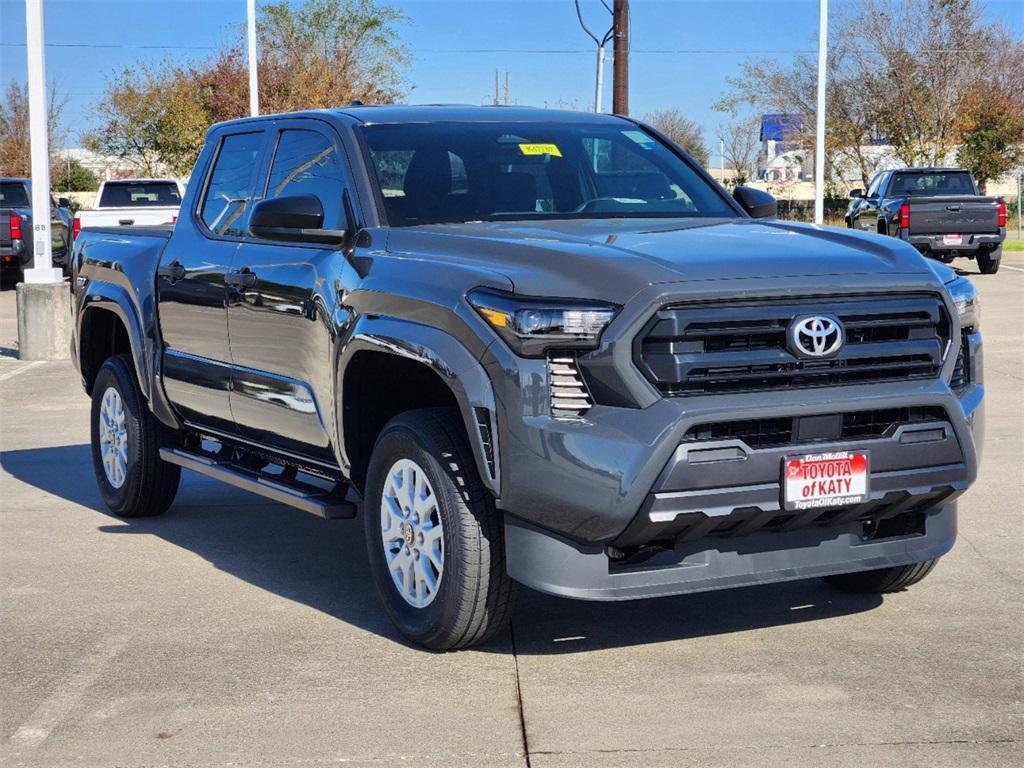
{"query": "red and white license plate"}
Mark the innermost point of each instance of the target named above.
(952, 239)
(824, 480)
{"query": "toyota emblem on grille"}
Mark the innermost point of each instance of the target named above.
(816, 336)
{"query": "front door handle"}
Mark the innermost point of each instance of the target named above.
(172, 272)
(243, 278)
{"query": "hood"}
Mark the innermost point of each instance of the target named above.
(611, 260)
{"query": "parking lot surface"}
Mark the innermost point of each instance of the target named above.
(234, 631)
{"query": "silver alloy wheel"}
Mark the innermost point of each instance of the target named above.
(113, 438)
(412, 534)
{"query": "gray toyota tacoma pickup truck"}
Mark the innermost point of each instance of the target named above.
(535, 347)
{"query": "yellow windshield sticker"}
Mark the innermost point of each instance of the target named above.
(540, 149)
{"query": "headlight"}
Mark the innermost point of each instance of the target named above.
(532, 326)
(965, 298)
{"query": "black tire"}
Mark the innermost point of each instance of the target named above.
(150, 483)
(988, 262)
(882, 580)
(474, 595)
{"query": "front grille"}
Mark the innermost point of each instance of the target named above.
(853, 425)
(715, 348)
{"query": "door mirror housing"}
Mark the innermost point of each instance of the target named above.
(855, 193)
(760, 205)
(295, 218)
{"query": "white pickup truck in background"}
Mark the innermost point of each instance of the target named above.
(133, 202)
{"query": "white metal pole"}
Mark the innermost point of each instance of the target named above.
(721, 157)
(254, 91)
(42, 270)
(599, 88)
(819, 149)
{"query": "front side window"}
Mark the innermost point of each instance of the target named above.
(451, 172)
(230, 188)
(307, 163)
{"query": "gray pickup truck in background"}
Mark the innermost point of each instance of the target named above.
(16, 249)
(531, 347)
(939, 211)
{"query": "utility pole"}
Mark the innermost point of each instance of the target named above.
(42, 270)
(620, 84)
(44, 302)
(600, 42)
(819, 148)
(496, 81)
(254, 89)
(506, 87)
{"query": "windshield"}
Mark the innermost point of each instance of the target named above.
(134, 194)
(13, 194)
(955, 183)
(454, 172)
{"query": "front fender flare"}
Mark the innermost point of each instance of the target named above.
(449, 359)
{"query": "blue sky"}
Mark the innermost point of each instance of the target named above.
(682, 50)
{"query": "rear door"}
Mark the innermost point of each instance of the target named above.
(190, 283)
(279, 309)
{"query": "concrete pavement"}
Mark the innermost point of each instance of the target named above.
(236, 631)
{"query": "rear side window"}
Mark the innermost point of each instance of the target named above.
(229, 191)
(138, 194)
(307, 163)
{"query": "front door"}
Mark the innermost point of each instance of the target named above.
(281, 299)
(191, 291)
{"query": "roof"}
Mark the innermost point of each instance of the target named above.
(779, 127)
(447, 113)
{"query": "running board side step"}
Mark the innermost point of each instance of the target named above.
(317, 501)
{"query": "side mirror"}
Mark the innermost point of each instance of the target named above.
(855, 193)
(63, 202)
(760, 205)
(297, 218)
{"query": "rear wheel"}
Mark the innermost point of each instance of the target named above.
(988, 261)
(884, 579)
(132, 478)
(434, 539)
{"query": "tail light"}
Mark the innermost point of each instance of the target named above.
(905, 216)
(76, 226)
(15, 227)
(1001, 215)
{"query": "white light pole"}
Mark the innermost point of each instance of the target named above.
(599, 89)
(721, 158)
(600, 42)
(819, 150)
(42, 270)
(254, 91)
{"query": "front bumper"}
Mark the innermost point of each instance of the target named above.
(558, 566)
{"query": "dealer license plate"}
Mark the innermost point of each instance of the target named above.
(824, 480)
(952, 239)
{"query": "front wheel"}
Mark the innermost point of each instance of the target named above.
(132, 478)
(988, 261)
(882, 580)
(434, 538)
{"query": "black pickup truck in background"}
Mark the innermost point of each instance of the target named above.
(16, 229)
(939, 211)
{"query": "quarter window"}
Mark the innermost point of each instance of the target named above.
(230, 189)
(307, 163)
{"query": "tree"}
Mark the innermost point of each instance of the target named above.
(993, 117)
(15, 155)
(682, 130)
(322, 53)
(740, 147)
(915, 75)
(72, 176)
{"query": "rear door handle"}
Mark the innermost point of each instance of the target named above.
(173, 271)
(243, 278)
(126, 222)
